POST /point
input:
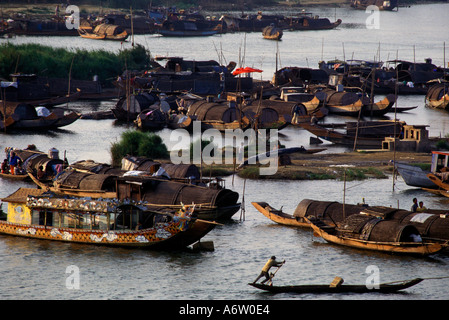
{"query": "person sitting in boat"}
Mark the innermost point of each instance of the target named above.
(5, 166)
(19, 168)
(421, 207)
(40, 173)
(266, 268)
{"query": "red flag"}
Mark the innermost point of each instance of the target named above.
(245, 70)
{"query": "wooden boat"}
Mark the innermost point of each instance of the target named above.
(250, 22)
(158, 192)
(380, 4)
(417, 177)
(272, 33)
(342, 103)
(297, 94)
(220, 115)
(24, 116)
(127, 109)
(440, 180)
(279, 216)
(186, 28)
(309, 22)
(389, 287)
(329, 211)
(35, 214)
(381, 107)
(151, 119)
(180, 121)
(103, 32)
(14, 176)
(363, 135)
(398, 240)
(414, 176)
(84, 33)
(432, 225)
(438, 96)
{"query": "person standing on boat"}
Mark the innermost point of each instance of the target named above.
(296, 113)
(266, 268)
(415, 205)
(13, 163)
(164, 106)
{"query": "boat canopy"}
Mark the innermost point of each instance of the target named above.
(73, 179)
(225, 111)
(165, 192)
(80, 204)
(108, 29)
(137, 103)
(437, 91)
(19, 111)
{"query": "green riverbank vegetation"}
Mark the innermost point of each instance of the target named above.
(58, 62)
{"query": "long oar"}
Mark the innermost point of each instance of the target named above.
(270, 282)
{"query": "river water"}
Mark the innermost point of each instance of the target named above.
(35, 269)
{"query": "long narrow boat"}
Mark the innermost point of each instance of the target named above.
(14, 176)
(381, 107)
(399, 246)
(32, 213)
(343, 138)
(325, 288)
(279, 216)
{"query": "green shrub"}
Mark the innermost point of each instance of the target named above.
(138, 143)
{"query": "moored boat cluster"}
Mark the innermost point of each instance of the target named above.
(147, 203)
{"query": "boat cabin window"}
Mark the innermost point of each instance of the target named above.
(42, 218)
(129, 218)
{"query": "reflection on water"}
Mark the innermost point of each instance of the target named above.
(36, 269)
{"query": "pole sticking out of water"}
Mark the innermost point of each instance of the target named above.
(344, 195)
(242, 212)
(395, 122)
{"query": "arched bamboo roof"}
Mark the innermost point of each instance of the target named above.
(225, 111)
(108, 29)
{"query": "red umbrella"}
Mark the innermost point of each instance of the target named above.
(245, 70)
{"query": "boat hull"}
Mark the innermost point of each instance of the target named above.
(324, 288)
(414, 176)
(412, 248)
(340, 138)
(187, 33)
(168, 235)
(278, 216)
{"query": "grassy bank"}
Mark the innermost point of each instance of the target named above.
(55, 62)
(348, 166)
